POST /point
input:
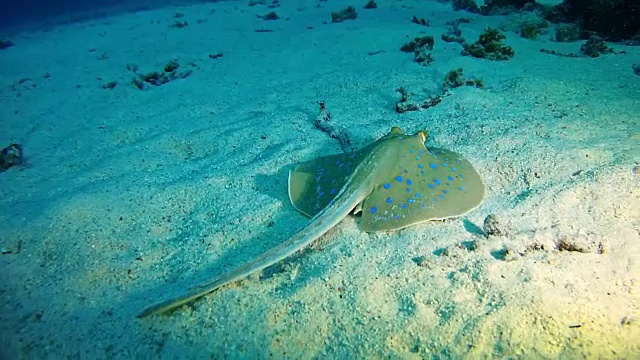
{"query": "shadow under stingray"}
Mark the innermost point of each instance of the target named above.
(278, 230)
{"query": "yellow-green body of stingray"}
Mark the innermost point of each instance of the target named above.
(412, 183)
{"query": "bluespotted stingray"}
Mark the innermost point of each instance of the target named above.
(394, 183)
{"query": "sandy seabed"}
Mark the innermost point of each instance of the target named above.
(128, 197)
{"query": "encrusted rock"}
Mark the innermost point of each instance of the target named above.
(493, 226)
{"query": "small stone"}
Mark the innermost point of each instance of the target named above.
(371, 5)
(12, 247)
(627, 320)
(579, 243)
(11, 156)
(5, 44)
(492, 226)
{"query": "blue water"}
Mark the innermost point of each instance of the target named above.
(17, 13)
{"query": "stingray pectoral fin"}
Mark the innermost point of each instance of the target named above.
(320, 224)
(422, 184)
(314, 184)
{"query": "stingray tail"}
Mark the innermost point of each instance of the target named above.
(320, 224)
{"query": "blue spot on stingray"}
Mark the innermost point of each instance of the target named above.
(433, 166)
(399, 178)
(460, 188)
(412, 200)
(321, 193)
(419, 166)
(453, 169)
(404, 206)
(431, 186)
(445, 191)
(374, 210)
(442, 196)
(418, 195)
(409, 182)
(445, 164)
(437, 181)
(389, 200)
(450, 178)
(422, 172)
(461, 176)
(333, 191)
(412, 151)
(396, 217)
(408, 189)
(386, 185)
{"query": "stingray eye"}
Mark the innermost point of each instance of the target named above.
(396, 130)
